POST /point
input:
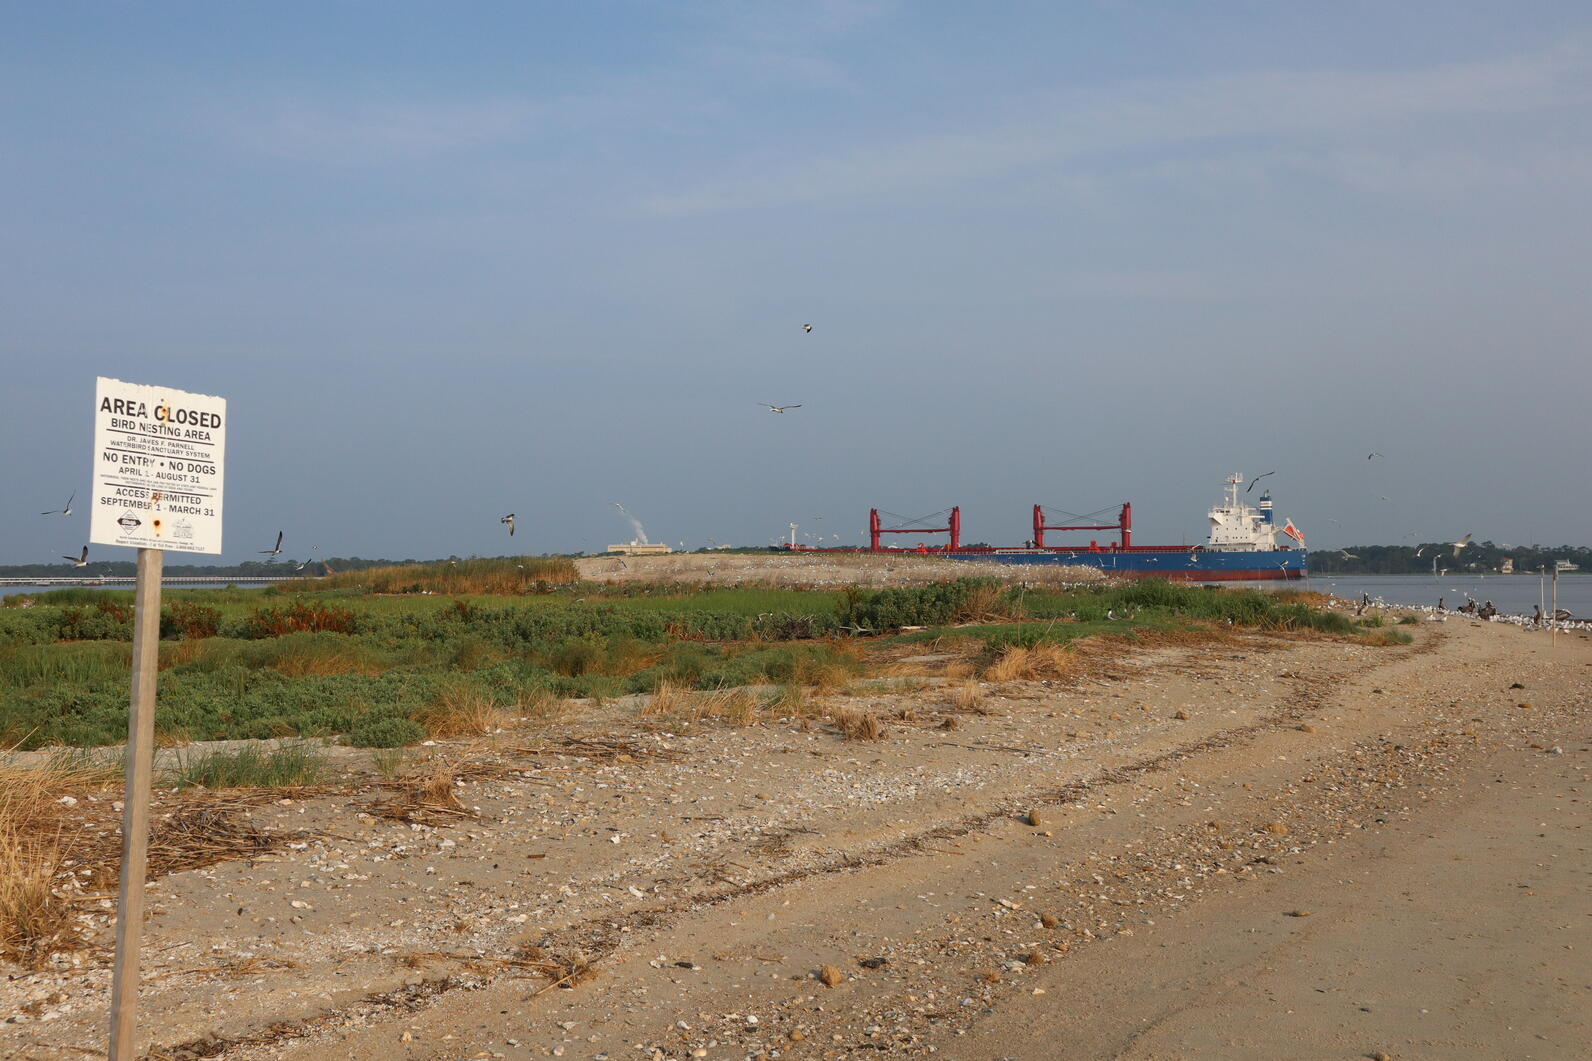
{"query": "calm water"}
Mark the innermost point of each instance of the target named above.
(1511, 594)
(15, 591)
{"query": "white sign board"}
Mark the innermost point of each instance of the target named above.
(157, 468)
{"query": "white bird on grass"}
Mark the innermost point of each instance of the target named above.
(276, 551)
(778, 408)
(64, 510)
(78, 561)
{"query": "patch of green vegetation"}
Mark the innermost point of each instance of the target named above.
(254, 766)
(388, 732)
(240, 664)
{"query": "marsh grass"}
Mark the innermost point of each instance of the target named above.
(1032, 663)
(787, 700)
(463, 711)
(734, 707)
(389, 763)
(499, 576)
(252, 766)
(667, 699)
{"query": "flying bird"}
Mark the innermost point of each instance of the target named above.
(1461, 544)
(1368, 456)
(1257, 479)
(807, 327)
(1348, 555)
(78, 561)
(509, 519)
(278, 550)
(779, 408)
(64, 510)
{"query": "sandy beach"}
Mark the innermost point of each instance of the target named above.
(1257, 849)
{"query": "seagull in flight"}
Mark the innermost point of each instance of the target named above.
(1257, 479)
(807, 327)
(278, 550)
(1368, 456)
(78, 561)
(778, 408)
(1348, 555)
(1461, 544)
(509, 519)
(64, 510)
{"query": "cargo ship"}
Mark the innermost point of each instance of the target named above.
(1242, 544)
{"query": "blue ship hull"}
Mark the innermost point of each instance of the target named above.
(1172, 563)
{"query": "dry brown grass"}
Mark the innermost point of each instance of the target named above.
(984, 604)
(34, 840)
(542, 705)
(1021, 663)
(735, 707)
(857, 725)
(970, 696)
(305, 661)
(667, 699)
(463, 712)
(34, 918)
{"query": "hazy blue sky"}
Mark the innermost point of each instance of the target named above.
(447, 261)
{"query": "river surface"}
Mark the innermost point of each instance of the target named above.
(1510, 594)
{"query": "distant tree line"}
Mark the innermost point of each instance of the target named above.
(1418, 559)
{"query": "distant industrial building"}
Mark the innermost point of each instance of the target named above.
(638, 549)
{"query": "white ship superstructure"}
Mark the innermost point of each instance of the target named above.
(1237, 527)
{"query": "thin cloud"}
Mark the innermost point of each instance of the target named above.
(1155, 114)
(341, 133)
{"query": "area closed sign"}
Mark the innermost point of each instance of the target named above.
(158, 457)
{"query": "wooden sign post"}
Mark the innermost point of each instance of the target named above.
(157, 487)
(135, 805)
